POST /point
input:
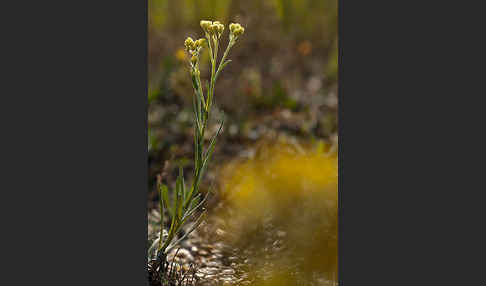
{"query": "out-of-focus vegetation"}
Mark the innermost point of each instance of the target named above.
(293, 189)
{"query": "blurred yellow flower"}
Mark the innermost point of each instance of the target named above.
(181, 55)
(297, 188)
(282, 174)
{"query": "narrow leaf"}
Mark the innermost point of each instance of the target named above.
(165, 196)
(194, 226)
(221, 68)
(174, 202)
(211, 148)
(162, 189)
(183, 184)
(178, 197)
(193, 209)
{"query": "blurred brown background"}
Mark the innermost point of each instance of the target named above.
(282, 80)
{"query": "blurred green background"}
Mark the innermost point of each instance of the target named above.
(282, 80)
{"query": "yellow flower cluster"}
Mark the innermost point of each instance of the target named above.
(192, 45)
(236, 29)
(212, 28)
(213, 32)
(194, 48)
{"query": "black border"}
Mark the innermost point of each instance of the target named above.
(74, 145)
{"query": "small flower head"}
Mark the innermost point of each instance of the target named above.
(189, 44)
(217, 28)
(236, 29)
(194, 48)
(205, 25)
(199, 43)
(212, 28)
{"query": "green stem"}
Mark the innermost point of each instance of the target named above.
(226, 52)
(198, 168)
(213, 74)
(173, 226)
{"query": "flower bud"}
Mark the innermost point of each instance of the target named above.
(205, 25)
(236, 29)
(200, 42)
(189, 43)
(220, 29)
(239, 31)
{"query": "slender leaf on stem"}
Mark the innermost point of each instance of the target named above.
(172, 231)
(193, 202)
(183, 184)
(194, 226)
(179, 198)
(203, 165)
(194, 208)
(210, 150)
(223, 62)
(175, 202)
(165, 197)
(197, 89)
(221, 68)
